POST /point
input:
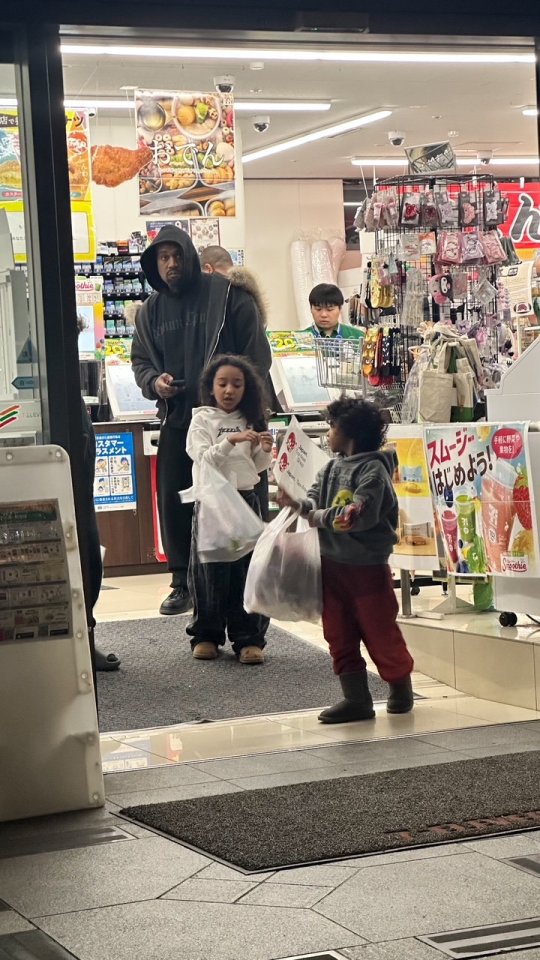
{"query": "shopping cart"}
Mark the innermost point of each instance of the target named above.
(339, 366)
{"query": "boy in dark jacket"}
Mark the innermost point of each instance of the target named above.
(354, 507)
(191, 316)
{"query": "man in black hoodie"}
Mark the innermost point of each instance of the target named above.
(190, 317)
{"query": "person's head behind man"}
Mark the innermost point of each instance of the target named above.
(326, 301)
(216, 259)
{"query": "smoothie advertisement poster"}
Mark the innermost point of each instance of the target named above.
(479, 475)
(416, 548)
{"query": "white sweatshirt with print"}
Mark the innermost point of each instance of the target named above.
(207, 442)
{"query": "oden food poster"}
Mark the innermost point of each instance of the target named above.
(480, 478)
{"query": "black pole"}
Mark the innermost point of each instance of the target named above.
(40, 93)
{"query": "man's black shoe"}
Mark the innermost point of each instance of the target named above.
(178, 601)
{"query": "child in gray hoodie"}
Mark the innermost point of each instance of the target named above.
(354, 507)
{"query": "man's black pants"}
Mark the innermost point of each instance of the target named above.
(174, 473)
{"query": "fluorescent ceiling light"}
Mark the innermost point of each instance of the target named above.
(333, 54)
(242, 106)
(99, 104)
(530, 112)
(283, 106)
(461, 161)
(333, 131)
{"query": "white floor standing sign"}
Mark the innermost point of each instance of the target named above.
(49, 739)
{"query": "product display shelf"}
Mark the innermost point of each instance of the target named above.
(124, 284)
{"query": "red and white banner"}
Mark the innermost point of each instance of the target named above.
(523, 219)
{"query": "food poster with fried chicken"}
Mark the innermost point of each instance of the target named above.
(481, 483)
(190, 171)
(11, 187)
(416, 548)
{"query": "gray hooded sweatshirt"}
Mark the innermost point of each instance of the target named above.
(355, 507)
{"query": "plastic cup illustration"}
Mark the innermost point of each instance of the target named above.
(449, 523)
(466, 518)
(498, 510)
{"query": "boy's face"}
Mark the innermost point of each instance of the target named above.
(326, 315)
(337, 441)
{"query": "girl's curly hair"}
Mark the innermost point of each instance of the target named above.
(253, 402)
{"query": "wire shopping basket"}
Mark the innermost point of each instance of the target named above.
(339, 363)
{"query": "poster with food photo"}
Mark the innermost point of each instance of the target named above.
(10, 158)
(191, 172)
(416, 548)
(479, 474)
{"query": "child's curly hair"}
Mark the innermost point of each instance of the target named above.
(253, 402)
(360, 421)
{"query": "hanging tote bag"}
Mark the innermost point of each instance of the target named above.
(228, 528)
(284, 576)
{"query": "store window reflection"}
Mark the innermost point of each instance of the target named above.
(20, 395)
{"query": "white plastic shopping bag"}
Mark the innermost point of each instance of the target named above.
(227, 527)
(284, 576)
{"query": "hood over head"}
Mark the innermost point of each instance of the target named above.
(191, 268)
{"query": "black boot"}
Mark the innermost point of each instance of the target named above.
(178, 601)
(357, 704)
(401, 698)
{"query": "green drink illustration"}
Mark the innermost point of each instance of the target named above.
(466, 518)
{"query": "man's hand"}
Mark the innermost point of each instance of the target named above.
(163, 388)
(246, 436)
(284, 500)
(266, 441)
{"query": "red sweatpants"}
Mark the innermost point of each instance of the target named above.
(359, 604)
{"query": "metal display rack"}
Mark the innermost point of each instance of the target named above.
(467, 310)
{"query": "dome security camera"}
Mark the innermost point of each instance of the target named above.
(485, 156)
(261, 124)
(396, 137)
(224, 84)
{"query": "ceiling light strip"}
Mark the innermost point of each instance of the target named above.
(321, 134)
(460, 161)
(307, 54)
(243, 106)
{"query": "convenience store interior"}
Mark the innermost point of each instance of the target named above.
(478, 683)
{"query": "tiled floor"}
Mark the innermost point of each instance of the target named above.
(146, 897)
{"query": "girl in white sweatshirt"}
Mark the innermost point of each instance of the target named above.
(229, 432)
